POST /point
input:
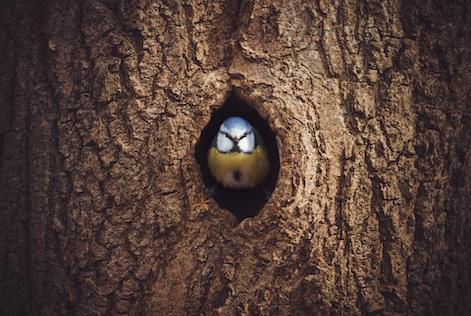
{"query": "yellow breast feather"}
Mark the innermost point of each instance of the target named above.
(227, 167)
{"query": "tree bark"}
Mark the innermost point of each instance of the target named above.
(104, 211)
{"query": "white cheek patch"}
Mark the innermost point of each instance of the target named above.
(223, 143)
(247, 144)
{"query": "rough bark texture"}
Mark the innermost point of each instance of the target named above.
(103, 210)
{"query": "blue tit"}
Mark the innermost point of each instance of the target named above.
(238, 158)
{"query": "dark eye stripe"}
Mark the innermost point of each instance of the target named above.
(236, 140)
(227, 135)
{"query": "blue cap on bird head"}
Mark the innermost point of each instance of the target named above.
(236, 134)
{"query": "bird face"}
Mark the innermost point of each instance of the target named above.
(236, 135)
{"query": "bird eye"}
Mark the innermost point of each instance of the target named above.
(247, 143)
(224, 143)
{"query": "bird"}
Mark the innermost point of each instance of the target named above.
(238, 157)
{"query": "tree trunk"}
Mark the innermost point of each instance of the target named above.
(103, 208)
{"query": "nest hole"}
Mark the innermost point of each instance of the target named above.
(245, 202)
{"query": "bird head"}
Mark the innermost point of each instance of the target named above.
(235, 134)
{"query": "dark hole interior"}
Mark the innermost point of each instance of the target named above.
(242, 203)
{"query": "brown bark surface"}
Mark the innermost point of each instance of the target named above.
(102, 206)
